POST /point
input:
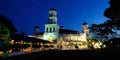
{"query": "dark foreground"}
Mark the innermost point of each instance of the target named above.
(69, 54)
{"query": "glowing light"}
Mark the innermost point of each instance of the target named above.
(12, 42)
(10, 51)
(50, 40)
(28, 50)
(30, 36)
(103, 46)
(1, 53)
(82, 37)
(97, 45)
(42, 48)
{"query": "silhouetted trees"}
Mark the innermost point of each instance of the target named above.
(113, 13)
(110, 26)
(94, 29)
(100, 31)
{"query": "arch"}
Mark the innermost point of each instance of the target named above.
(54, 29)
(50, 29)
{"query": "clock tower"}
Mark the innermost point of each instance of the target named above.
(51, 28)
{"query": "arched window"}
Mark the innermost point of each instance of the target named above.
(46, 29)
(50, 29)
(54, 29)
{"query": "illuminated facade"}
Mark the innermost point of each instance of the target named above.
(69, 38)
(51, 29)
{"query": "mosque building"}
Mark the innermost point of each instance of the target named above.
(57, 34)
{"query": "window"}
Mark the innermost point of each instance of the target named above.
(46, 29)
(50, 29)
(54, 29)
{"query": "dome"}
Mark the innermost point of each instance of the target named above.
(84, 23)
(53, 9)
(36, 26)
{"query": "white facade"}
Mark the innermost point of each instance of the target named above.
(70, 39)
(52, 28)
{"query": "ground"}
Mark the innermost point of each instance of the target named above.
(69, 54)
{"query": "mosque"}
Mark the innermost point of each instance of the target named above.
(61, 36)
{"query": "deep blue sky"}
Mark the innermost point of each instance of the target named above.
(25, 14)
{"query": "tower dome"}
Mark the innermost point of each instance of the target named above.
(84, 23)
(53, 9)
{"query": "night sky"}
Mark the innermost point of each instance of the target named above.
(25, 14)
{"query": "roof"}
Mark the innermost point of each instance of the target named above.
(6, 22)
(41, 33)
(66, 31)
(18, 37)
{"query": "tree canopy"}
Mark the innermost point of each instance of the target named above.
(113, 13)
(110, 26)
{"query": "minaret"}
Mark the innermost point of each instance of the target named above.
(85, 28)
(52, 16)
(51, 28)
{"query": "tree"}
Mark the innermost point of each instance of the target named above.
(101, 31)
(110, 26)
(93, 29)
(113, 13)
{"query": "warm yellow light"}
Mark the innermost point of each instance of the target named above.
(42, 48)
(97, 45)
(21, 50)
(18, 42)
(50, 40)
(1, 53)
(67, 43)
(12, 42)
(75, 43)
(28, 50)
(21, 42)
(10, 51)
